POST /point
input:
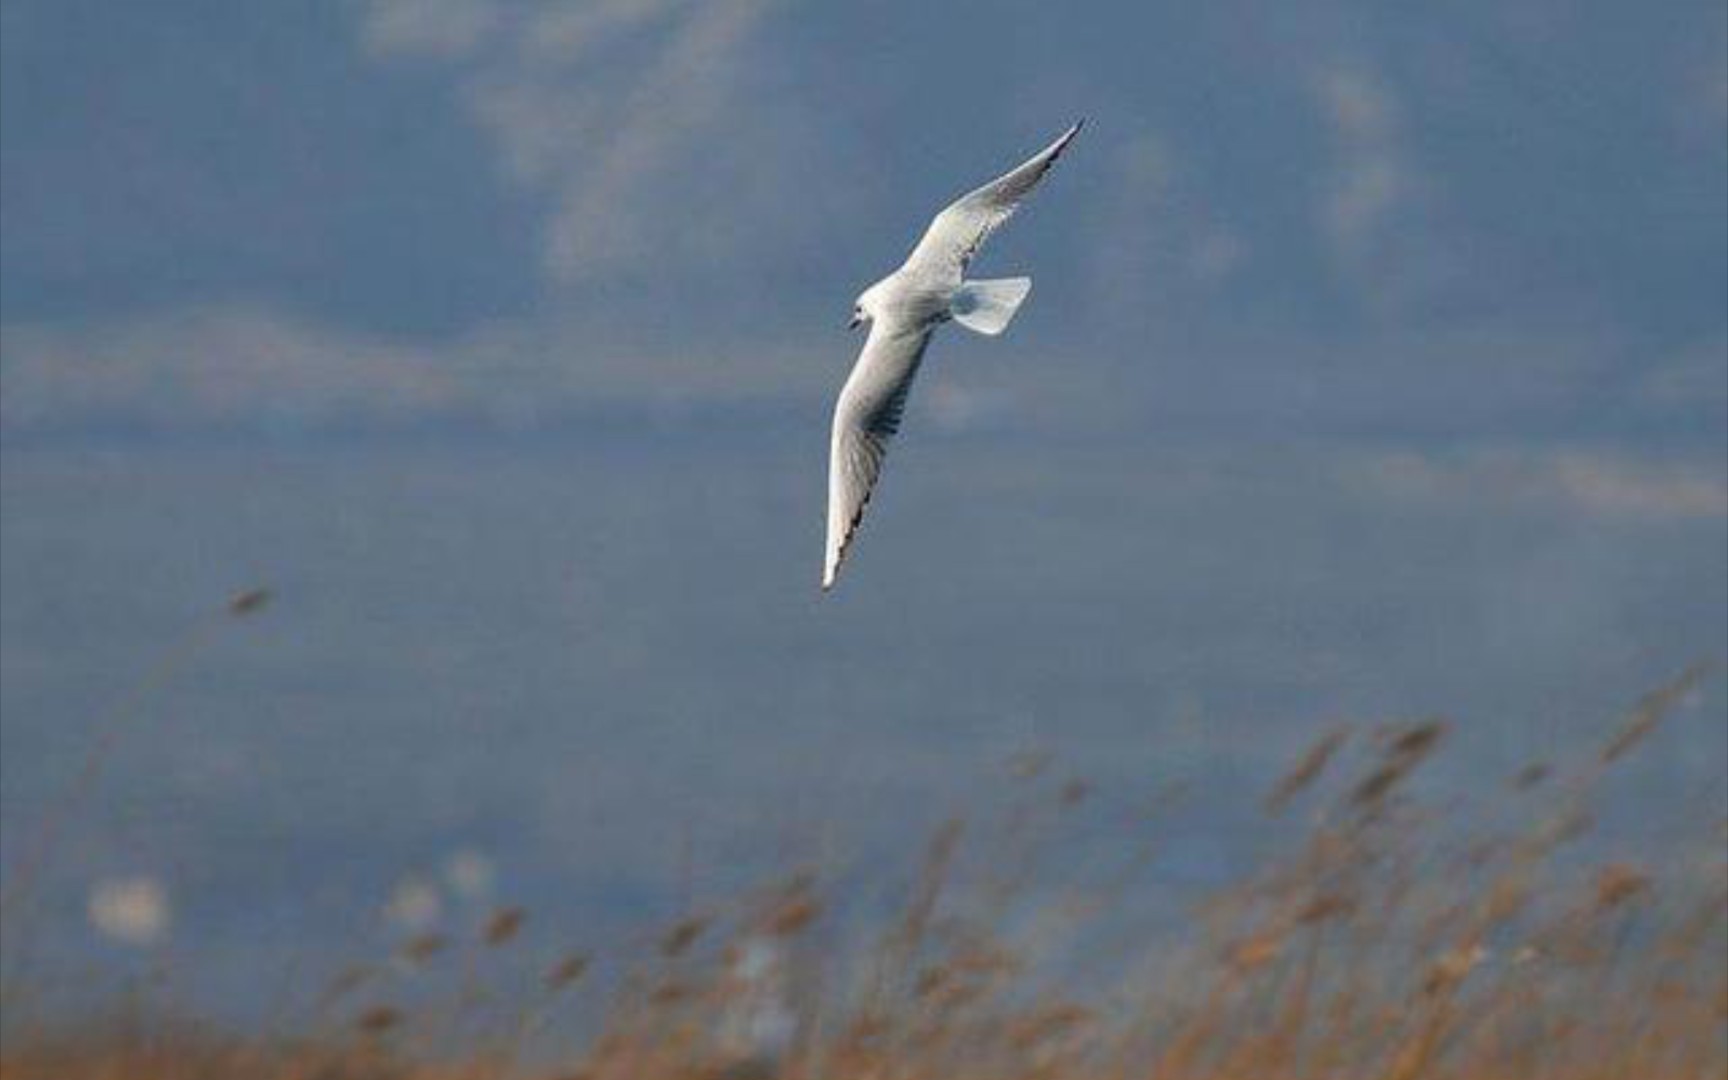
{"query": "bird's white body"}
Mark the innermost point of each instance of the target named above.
(903, 310)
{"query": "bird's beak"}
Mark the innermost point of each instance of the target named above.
(855, 323)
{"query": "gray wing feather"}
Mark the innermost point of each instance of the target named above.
(957, 233)
(866, 417)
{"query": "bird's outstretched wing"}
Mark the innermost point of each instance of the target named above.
(959, 231)
(865, 418)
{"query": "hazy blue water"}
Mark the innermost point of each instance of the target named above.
(604, 663)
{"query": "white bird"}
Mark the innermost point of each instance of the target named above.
(903, 310)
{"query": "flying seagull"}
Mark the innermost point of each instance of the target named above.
(903, 310)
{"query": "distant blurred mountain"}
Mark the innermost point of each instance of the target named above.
(394, 212)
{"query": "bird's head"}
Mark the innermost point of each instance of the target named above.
(863, 308)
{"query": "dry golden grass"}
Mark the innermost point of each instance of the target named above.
(1388, 942)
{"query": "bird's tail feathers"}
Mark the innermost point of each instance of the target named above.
(987, 307)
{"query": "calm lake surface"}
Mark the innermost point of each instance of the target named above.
(594, 674)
